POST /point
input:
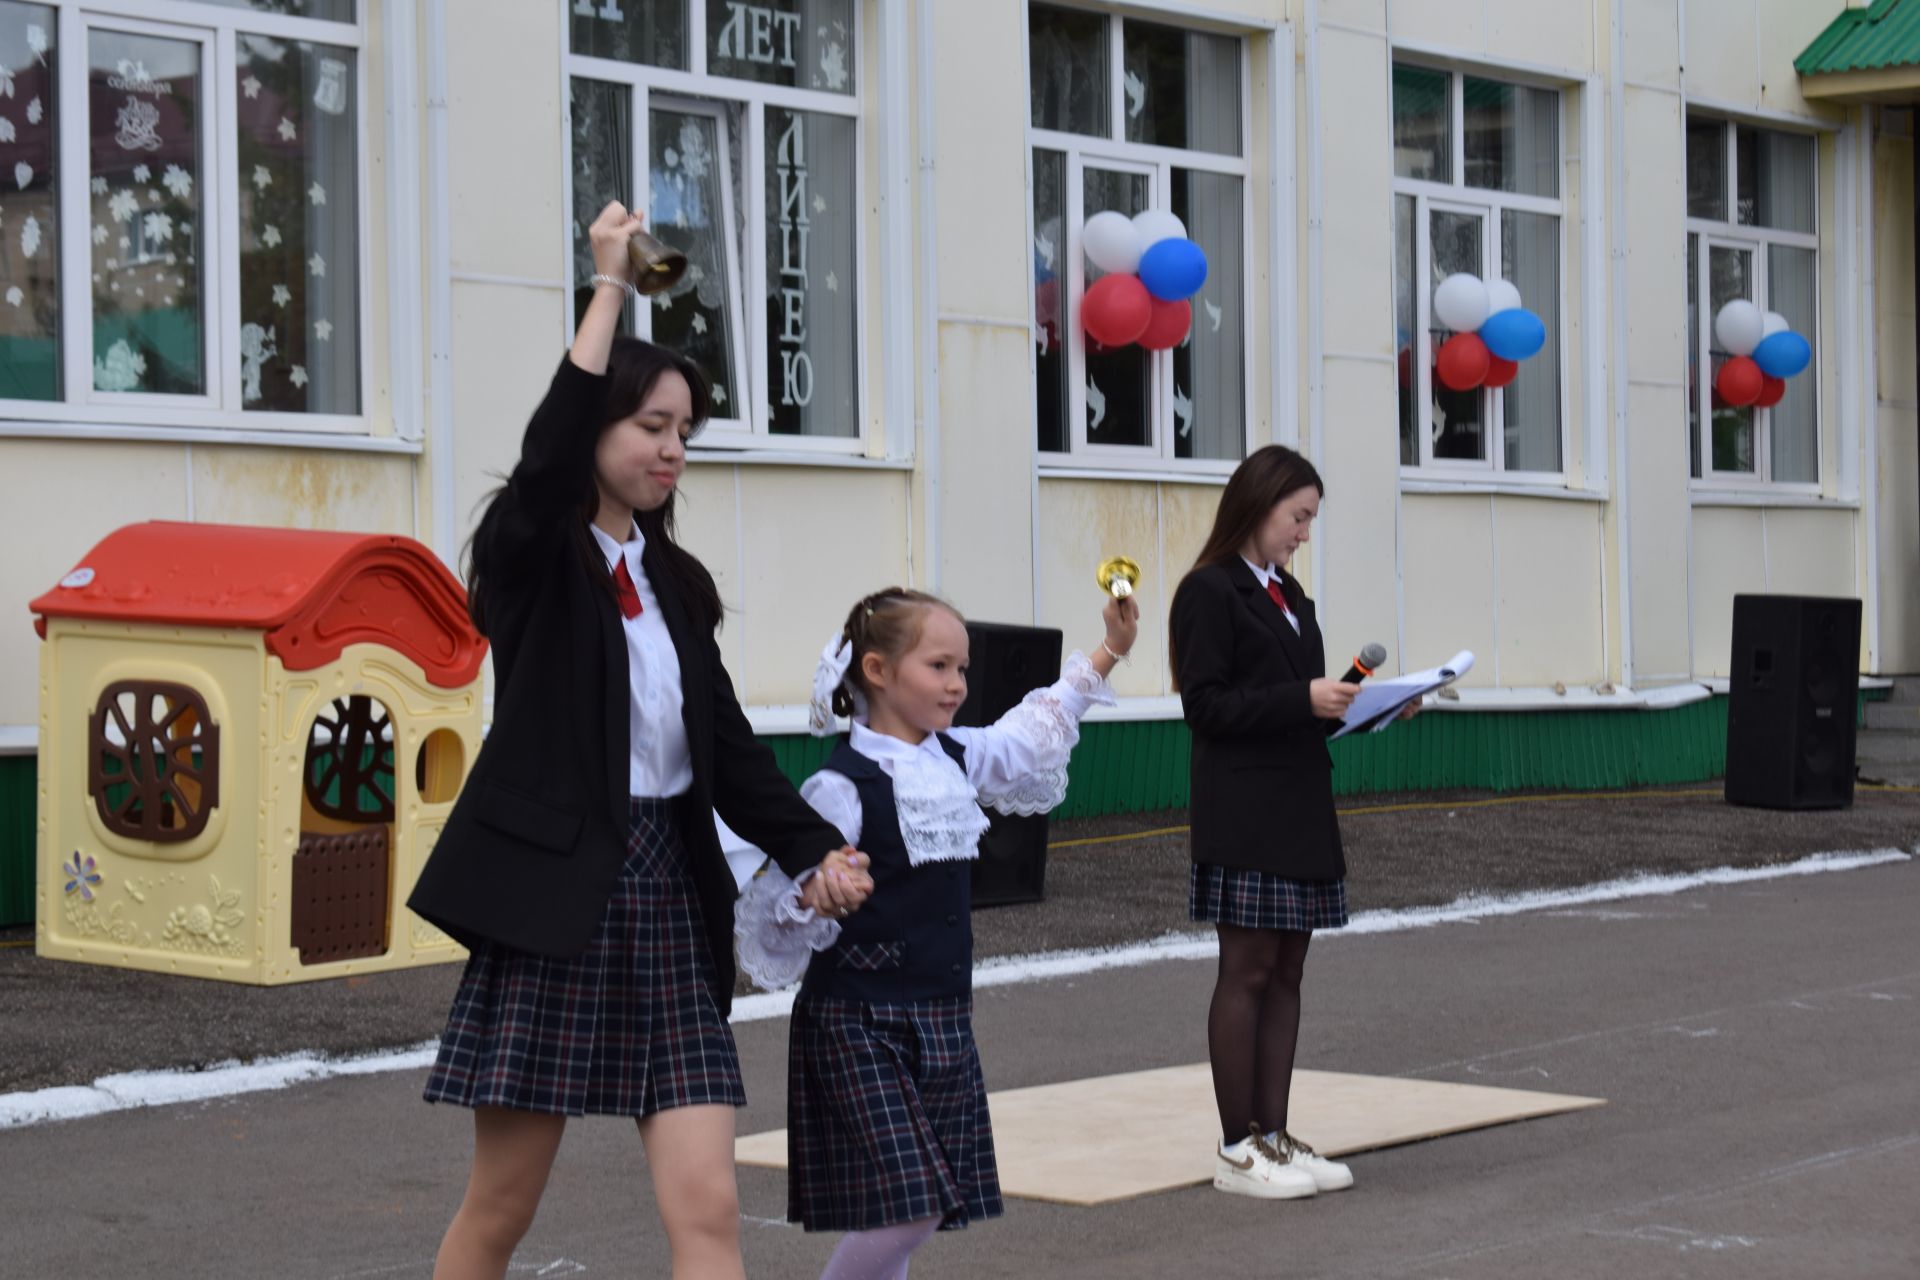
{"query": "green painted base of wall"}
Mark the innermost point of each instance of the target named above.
(18, 818)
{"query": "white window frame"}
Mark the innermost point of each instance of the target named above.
(1158, 163)
(1754, 240)
(86, 412)
(1489, 206)
(696, 89)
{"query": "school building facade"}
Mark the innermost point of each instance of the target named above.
(311, 262)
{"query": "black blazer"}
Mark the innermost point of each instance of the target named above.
(1262, 791)
(537, 837)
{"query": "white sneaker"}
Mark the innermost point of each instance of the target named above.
(1247, 1168)
(1327, 1175)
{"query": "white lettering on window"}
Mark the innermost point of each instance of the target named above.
(609, 10)
(792, 223)
(752, 32)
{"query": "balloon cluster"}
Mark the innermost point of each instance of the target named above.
(1492, 332)
(1152, 269)
(1765, 352)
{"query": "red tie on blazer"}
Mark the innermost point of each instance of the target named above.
(630, 606)
(1273, 589)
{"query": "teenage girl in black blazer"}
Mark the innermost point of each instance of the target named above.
(1251, 670)
(580, 863)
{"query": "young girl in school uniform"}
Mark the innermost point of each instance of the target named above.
(580, 864)
(888, 1136)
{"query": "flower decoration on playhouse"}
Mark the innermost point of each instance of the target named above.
(1491, 332)
(1763, 352)
(1152, 270)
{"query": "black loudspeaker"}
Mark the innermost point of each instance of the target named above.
(1005, 663)
(1791, 701)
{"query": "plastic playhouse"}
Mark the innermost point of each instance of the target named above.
(249, 740)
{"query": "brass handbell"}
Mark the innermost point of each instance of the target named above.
(1117, 576)
(657, 267)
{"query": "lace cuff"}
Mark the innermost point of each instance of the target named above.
(1048, 722)
(777, 936)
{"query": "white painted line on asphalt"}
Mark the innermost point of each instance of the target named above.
(161, 1088)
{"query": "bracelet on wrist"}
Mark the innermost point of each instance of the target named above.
(1117, 657)
(599, 278)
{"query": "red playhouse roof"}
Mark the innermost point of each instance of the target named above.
(313, 593)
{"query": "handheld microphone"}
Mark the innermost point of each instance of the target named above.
(1371, 658)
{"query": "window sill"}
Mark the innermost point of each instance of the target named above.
(1429, 484)
(338, 441)
(1712, 496)
(1143, 474)
(795, 458)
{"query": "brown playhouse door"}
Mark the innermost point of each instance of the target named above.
(343, 872)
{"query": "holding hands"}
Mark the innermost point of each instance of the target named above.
(839, 885)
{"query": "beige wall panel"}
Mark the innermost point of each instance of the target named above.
(708, 517)
(1650, 38)
(1657, 533)
(505, 146)
(986, 471)
(1448, 584)
(1186, 518)
(1366, 15)
(1729, 559)
(1656, 206)
(1898, 508)
(1811, 553)
(62, 497)
(304, 489)
(1081, 523)
(1356, 525)
(1558, 33)
(1357, 238)
(1547, 592)
(506, 345)
(816, 540)
(1721, 58)
(980, 179)
(1783, 30)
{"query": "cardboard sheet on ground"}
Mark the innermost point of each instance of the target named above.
(1379, 701)
(1089, 1142)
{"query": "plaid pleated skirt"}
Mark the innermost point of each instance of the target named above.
(887, 1116)
(1256, 900)
(628, 1027)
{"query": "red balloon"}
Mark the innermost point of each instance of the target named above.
(1740, 381)
(1168, 326)
(1772, 391)
(1500, 372)
(1116, 310)
(1463, 362)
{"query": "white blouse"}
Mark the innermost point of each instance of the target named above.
(1271, 574)
(661, 762)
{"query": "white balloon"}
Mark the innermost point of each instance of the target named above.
(1460, 303)
(1740, 326)
(1502, 295)
(1111, 242)
(1156, 225)
(1775, 323)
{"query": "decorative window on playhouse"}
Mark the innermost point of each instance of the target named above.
(736, 125)
(349, 766)
(1477, 190)
(1129, 116)
(153, 761)
(180, 201)
(1751, 233)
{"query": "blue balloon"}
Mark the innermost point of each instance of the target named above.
(1173, 269)
(1514, 334)
(1783, 355)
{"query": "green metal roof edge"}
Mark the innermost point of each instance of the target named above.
(1885, 34)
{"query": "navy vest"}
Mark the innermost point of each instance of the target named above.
(913, 939)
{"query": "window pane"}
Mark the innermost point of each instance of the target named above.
(299, 205)
(144, 162)
(1530, 257)
(1776, 179)
(812, 368)
(1119, 382)
(1405, 348)
(323, 10)
(1693, 351)
(1209, 368)
(802, 44)
(1069, 69)
(1730, 276)
(692, 195)
(602, 128)
(1794, 431)
(29, 219)
(1512, 137)
(1422, 123)
(649, 31)
(1182, 88)
(1050, 246)
(1706, 169)
(1459, 417)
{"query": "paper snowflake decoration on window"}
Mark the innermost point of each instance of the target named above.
(123, 206)
(30, 236)
(14, 296)
(317, 194)
(298, 375)
(262, 179)
(282, 295)
(250, 86)
(270, 236)
(178, 181)
(159, 227)
(99, 233)
(99, 186)
(286, 130)
(6, 130)
(323, 330)
(141, 173)
(34, 112)
(317, 265)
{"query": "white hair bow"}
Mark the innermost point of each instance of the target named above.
(827, 679)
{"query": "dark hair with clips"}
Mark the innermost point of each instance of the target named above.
(888, 623)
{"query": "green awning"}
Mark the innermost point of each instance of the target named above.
(1885, 35)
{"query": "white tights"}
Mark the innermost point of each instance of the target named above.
(879, 1254)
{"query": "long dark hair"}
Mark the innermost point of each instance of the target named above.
(1253, 491)
(633, 367)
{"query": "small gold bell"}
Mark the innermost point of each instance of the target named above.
(656, 266)
(1117, 576)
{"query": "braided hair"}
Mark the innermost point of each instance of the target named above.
(888, 623)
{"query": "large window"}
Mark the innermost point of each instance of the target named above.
(1130, 116)
(1477, 188)
(180, 213)
(1751, 234)
(736, 127)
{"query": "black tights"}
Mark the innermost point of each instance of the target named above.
(1253, 1026)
